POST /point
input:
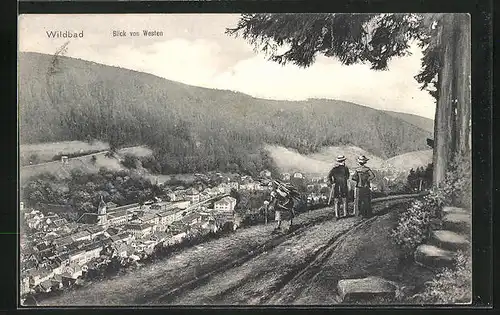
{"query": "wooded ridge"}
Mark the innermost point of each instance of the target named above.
(191, 128)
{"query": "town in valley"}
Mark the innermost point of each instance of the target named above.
(56, 251)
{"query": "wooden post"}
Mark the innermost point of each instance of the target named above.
(420, 186)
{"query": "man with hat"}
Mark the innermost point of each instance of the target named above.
(362, 195)
(337, 178)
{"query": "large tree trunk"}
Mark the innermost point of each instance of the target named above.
(451, 126)
(463, 62)
(443, 124)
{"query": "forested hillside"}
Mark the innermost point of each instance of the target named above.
(418, 121)
(191, 128)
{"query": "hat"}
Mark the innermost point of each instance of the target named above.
(362, 159)
(340, 158)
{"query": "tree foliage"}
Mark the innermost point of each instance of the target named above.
(351, 38)
(85, 190)
(248, 201)
(420, 178)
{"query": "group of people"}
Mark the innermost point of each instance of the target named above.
(338, 179)
(285, 198)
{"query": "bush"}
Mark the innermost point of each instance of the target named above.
(130, 161)
(57, 157)
(151, 164)
(33, 159)
(457, 186)
(450, 286)
(414, 225)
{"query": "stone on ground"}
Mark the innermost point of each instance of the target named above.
(433, 257)
(457, 222)
(447, 210)
(448, 240)
(366, 289)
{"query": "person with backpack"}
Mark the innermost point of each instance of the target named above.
(337, 178)
(283, 201)
(362, 194)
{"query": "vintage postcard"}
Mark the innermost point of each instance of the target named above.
(255, 159)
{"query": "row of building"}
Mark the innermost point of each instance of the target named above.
(62, 254)
(60, 251)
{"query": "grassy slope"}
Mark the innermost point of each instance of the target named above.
(46, 151)
(83, 163)
(419, 121)
(320, 163)
(410, 160)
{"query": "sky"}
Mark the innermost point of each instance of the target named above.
(195, 50)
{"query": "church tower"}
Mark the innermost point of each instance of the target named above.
(102, 207)
(102, 217)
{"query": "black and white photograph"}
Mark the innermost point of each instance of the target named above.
(278, 159)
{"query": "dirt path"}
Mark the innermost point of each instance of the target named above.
(251, 266)
(255, 281)
(262, 279)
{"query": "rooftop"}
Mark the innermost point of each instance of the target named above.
(80, 234)
(147, 217)
(141, 226)
(124, 208)
(121, 247)
(63, 256)
(160, 234)
(95, 229)
(112, 231)
(93, 246)
(76, 252)
(191, 216)
(42, 246)
(192, 191)
(121, 236)
(118, 214)
(227, 199)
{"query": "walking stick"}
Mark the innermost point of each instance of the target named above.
(331, 193)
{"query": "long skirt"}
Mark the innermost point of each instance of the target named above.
(362, 201)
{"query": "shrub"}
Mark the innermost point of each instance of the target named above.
(130, 161)
(33, 159)
(450, 286)
(151, 164)
(57, 157)
(414, 225)
(457, 186)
